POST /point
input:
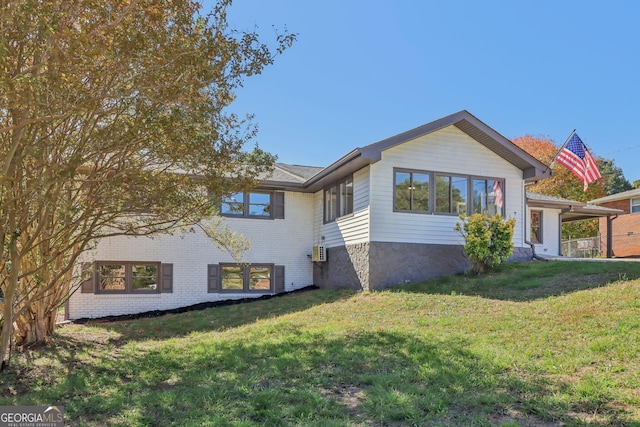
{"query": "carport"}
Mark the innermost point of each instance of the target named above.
(573, 210)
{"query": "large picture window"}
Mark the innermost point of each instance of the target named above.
(127, 277)
(338, 200)
(433, 192)
(246, 278)
(411, 191)
(250, 204)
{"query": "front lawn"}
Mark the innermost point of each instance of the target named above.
(533, 344)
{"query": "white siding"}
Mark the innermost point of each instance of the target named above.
(282, 242)
(550, 231)
(448, 150)
(349, 229)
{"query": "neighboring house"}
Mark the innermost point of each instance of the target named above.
(545, 215)
(623, 238)
(384, 213)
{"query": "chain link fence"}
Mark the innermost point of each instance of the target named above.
(582, 248)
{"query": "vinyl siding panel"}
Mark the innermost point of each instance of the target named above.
(349, 229)
(448, 150)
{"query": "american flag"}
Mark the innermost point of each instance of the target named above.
(498, 197)
(577, 158)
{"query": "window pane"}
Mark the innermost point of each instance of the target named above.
(480, 196)
(459, 194)
(495, 199)
(635, 205)
(233, 205)
(232, 277)
(330, 204)
(112, 277)
(420, 192)
(536, 227)
(346, 197)
(145, 277)
(443, 190)
(403, 194)
(260, 278)
(259, 204)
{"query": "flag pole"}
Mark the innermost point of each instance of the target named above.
(561, 148)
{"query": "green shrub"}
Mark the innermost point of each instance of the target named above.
(488, 240)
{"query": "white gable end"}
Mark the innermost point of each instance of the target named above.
(448, 150)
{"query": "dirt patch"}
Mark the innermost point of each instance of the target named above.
(347, 395)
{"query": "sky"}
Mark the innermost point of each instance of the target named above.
(365, 70)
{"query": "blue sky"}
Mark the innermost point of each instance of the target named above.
(365, 70)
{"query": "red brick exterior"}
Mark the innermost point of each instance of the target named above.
(624, 205)
(625, 231)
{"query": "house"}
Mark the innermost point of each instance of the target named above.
(381, 215)
(546, 214)
(622, 239)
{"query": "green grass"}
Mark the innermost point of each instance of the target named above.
(532, 344)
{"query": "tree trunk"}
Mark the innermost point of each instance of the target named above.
(7, 309)
(35, 326)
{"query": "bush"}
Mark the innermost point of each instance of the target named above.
(488, 240)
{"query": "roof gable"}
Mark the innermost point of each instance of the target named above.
(477, 130)
(532, 169)
(308, 178)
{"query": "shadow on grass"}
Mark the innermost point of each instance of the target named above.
(526, 281)
(366, 377)
(218, 318)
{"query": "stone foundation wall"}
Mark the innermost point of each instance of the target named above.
(346, 267)
(521, 254)
(379, 265)
(397, 263)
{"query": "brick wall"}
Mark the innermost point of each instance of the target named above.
(625, 232)
(282, 242)
(624, 205)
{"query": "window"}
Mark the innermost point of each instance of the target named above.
(253, 204)
(411, 191)
(338, 200)
(451, 194)
(536, 227)
(127, 277)
(635, 205)
(487, 196)
(246, 278)
(440, 193)
(345, 205)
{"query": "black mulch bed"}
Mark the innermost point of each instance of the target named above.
(194, 307)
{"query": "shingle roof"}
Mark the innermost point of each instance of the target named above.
(302, 172)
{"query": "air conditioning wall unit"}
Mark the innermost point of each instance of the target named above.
(319, 254)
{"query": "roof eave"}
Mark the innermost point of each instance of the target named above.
(280, 185)
(348, 164)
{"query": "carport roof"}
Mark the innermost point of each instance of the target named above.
(572, 210)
